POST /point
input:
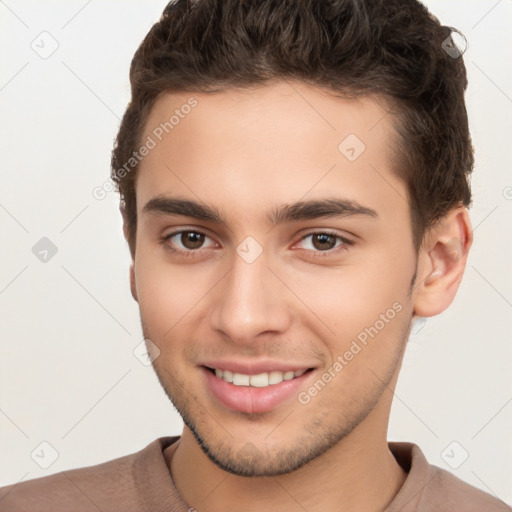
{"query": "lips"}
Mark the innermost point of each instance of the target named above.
(252, 392)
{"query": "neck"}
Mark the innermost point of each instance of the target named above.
(358, 473)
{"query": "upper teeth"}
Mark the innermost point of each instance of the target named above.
(258, 381)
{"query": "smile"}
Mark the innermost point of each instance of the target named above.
(254, 392)
(260, 380)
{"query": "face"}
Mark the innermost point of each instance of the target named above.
(274, 251)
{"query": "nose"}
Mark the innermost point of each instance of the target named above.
(250, 301)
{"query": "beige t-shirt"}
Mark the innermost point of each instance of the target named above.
(142, 482)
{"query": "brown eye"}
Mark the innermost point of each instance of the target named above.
(324, 244)
(323, 241)
(192, 239)
(186, 242)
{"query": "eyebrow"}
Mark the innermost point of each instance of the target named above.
(299, 211)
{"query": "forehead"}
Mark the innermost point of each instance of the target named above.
(285, 111)
(273, 144)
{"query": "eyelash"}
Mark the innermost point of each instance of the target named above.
(316, 254)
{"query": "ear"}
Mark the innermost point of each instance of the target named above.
(133, 287)
(441, 262)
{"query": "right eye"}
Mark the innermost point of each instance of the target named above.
(185, 242)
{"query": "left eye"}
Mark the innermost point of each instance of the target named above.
(323, 241)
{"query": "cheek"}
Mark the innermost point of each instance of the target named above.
(168, 295)
(358, 299)
(351, 296)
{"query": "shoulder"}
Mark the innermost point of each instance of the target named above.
(451, 493)
(111, 485)
(429, 488)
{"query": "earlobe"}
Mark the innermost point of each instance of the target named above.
(443, 261)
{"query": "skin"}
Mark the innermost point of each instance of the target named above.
(247, 153)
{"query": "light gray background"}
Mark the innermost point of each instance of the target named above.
(69, 326)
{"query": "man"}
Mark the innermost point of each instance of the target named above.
(294, 189)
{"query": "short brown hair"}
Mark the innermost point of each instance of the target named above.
(392, 48)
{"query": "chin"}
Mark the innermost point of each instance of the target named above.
(250, 460)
